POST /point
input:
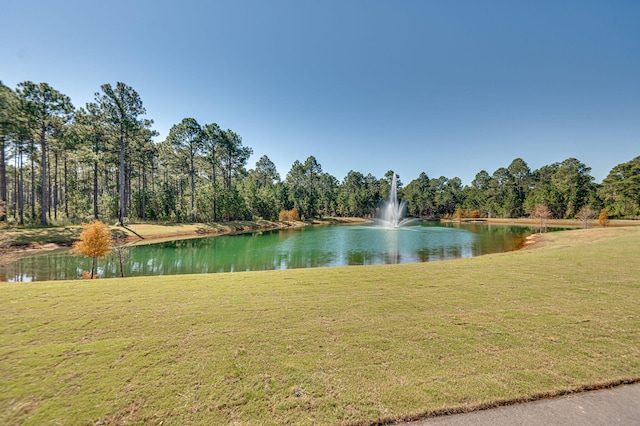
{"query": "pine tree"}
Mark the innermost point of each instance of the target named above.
(46, 109)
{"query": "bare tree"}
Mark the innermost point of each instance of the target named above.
(542, 212)
(121, 252)
(585, 214)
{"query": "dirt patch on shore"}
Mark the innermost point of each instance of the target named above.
(9, 254)
(530, 241)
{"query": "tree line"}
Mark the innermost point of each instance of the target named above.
(62, 164)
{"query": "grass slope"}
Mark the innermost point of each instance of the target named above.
(352, 345)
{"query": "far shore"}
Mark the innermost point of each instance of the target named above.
(554, 223)
(33, 240)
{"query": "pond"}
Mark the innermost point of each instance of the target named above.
(307, 247)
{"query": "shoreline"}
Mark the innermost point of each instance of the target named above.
(134, 234)
(145, 233)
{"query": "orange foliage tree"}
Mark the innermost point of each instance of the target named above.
(289, 215)
(603, 219)
(95, 242)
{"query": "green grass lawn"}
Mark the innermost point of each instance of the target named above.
(348, 345)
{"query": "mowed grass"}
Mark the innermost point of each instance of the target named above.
(349, 345)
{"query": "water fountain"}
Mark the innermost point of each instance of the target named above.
(393, 210)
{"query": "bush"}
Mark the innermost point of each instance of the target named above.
(289, 215)
(86, 275)
(603, 219)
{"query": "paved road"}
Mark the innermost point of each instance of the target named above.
(616, 406)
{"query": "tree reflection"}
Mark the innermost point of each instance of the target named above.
(284, 249)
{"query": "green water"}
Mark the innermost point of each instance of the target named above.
(308, 247)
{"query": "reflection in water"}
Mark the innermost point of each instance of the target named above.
(284, 249)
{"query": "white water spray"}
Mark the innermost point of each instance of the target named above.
(394, 210)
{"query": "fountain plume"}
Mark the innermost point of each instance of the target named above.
(393, 210)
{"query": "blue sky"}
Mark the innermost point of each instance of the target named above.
(448, 88)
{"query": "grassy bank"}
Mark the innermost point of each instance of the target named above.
(558, 223)
(352, 345)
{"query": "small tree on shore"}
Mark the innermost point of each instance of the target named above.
(541, 212)
(95, 242)
(121, 251)
(603, 218)
(585, 214)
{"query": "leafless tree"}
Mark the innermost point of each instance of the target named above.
(542, 213)
(585, 214)
(121, 252)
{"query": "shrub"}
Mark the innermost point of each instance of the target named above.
(603, 218)
(289, 215)
(86, 275)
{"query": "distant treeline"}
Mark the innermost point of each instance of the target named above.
(63, 164)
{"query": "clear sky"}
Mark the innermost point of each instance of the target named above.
(448, 88)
